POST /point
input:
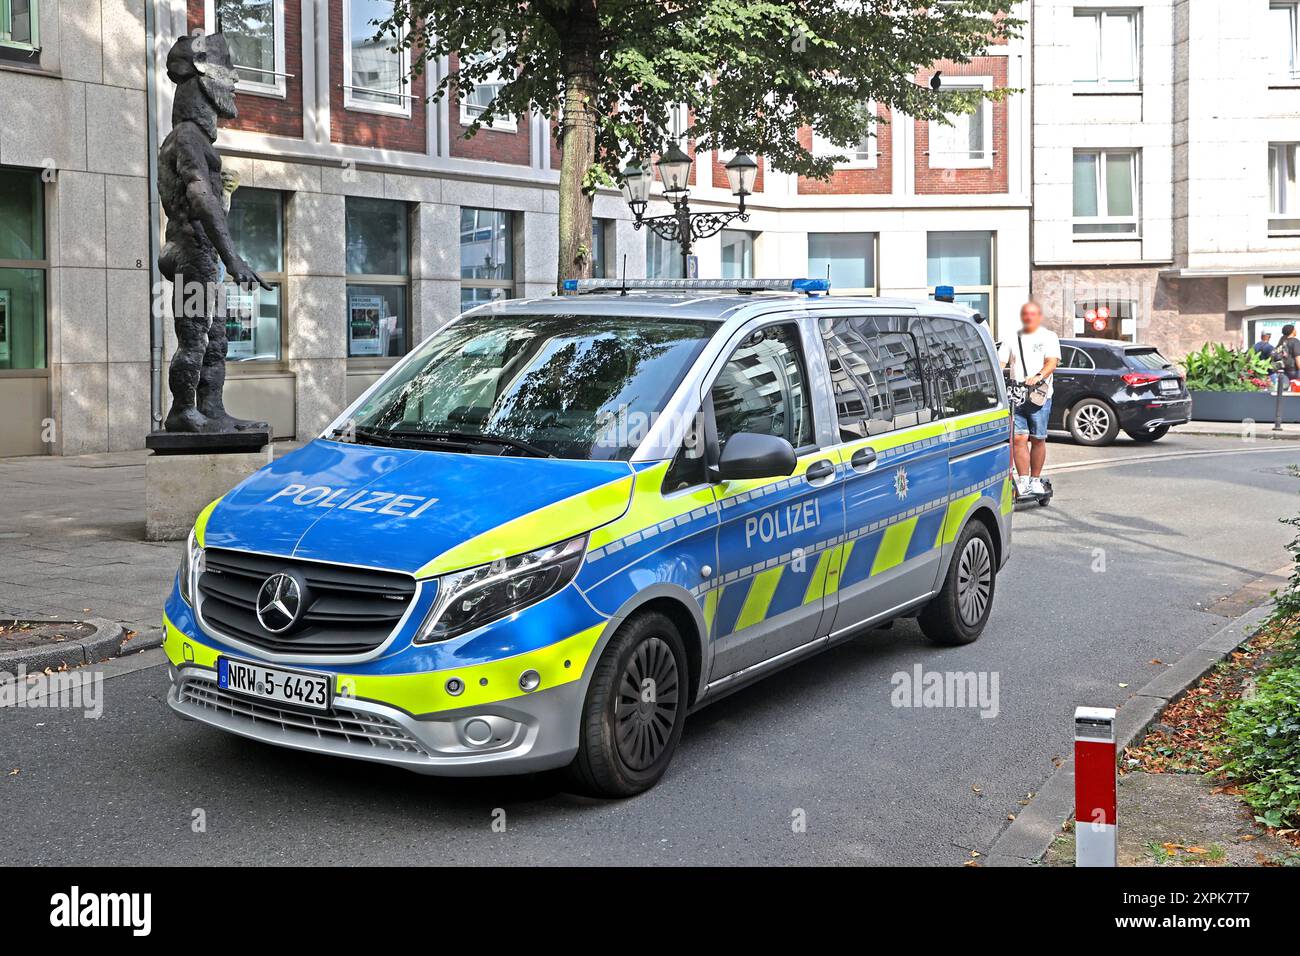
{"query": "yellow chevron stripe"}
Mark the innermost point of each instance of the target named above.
(1008, 497)
(711, 600)
(817, 585)
(837, 572)
(893, 546)
(759, 598)
(952, 521)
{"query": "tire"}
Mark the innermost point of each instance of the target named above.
(958, 613)
(1093, 422)
(625, 741)
(1157, 433)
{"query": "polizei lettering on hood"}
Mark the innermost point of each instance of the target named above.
(345, 499)
(769, 526)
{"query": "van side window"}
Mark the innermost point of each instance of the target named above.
(763, 388)
(960, 374)
(876, 375)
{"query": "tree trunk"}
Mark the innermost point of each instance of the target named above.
(578, 152)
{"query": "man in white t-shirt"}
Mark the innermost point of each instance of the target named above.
(1031, 355)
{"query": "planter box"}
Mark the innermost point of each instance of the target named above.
(1239, 406)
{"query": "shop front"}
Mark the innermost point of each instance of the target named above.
(24, 368)
(1266, 303)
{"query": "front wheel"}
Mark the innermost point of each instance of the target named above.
(634, 712)
(1093, 422)
(1155, 434)
(958, 613)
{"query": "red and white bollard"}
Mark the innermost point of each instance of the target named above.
(1095, 822)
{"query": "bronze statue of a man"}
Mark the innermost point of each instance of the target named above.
(198, 254)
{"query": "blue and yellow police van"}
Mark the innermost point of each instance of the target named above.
(559, 525)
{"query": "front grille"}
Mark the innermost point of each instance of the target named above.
(370, 731)
(349, 610)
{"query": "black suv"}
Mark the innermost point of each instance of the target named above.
(1103, 386)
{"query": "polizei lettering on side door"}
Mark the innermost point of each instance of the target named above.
(779, 523)
(345, 499)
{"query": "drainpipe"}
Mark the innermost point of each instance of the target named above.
(155, 277)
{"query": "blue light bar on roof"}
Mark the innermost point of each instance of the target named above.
(698, 285)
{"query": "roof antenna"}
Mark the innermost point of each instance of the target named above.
(624, 291)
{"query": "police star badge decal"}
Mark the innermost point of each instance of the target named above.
(900, 484)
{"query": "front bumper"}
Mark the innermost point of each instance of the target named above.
(490, 726)
(539, 732)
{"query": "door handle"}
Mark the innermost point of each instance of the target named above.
(863, 459)
(819, 470)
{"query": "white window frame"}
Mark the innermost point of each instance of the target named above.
(1103, 201)
(501, 124)
(821, 146)
(276, 85)
(964, 160)
(1284, 206)
(350, 102)
(1290, 74)
(1102, 84)
(989, 289)
(34, 11)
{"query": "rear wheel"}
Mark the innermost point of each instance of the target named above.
(1093, 422)
(958, 613)
(635, 709)
(1155, 434)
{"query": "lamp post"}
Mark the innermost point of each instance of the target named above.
(681, 225)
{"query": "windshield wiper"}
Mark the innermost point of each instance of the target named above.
(476, 438)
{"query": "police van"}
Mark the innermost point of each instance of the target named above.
(561, 524)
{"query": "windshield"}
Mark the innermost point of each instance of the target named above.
(563, 386)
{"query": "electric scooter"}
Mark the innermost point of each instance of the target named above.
(1017, 395)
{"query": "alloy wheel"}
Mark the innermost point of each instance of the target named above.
(645, 709)
(1093, 422)
(974, 581)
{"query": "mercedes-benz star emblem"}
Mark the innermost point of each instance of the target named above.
(279, 602)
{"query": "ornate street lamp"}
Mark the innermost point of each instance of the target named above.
(681, 225)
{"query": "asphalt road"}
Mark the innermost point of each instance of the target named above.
(818, 743)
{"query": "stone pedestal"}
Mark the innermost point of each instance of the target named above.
(182, 478)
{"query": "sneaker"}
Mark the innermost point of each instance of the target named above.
(1022, 486)
(1036, 486)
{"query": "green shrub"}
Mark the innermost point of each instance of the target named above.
(1263, 748)
(1217, 368)
(1286, 600)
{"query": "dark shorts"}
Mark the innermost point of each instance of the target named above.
(1031, 420)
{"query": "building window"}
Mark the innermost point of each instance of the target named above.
(375, 70)
(1105, 318)
(848, 258)
(737, 254)
(254, 316)
(1283, 30)
(861, 155)
(1283, 198)
(476, 102)
(487, 257)
(663, 259)
(1105, 49)
(378, 277)
(19, 24)
(1105, 193)
(963, 260)
(22, 269)
(968, 142)
(599, 239)
(254, 31)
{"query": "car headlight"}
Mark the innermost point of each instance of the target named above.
(476, 596)
(191, 568)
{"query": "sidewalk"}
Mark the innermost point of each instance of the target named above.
(1263, 430)
(72, 541)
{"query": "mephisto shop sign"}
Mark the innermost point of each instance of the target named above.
(1252, 292)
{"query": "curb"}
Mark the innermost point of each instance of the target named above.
(1263, 431)
(143, 641)
(1031, 833)
(102, 645)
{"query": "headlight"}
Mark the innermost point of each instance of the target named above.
(191, 568)
(477, 596)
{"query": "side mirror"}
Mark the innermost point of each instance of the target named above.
(751, 455)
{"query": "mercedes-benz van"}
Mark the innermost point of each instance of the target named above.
(561, 524)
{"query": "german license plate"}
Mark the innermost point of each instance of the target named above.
(297, 688)
(1169, 385)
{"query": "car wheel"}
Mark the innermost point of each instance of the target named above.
(635, 709)
(958, 613)
(1093, 422)
(1155, 434)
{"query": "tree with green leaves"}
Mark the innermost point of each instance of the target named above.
(750, 73)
